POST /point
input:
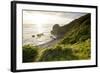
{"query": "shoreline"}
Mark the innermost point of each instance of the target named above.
(49, 44)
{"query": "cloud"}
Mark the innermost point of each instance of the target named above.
(49, 17)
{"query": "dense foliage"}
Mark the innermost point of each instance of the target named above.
(29, 53)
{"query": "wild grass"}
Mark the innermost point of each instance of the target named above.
(77, 51)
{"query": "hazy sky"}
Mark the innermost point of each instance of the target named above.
(46, 17)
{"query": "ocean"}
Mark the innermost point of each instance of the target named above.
(36, 30)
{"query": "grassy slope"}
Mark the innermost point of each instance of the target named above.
(78, 31)
(75, 44)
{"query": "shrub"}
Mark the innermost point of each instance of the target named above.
(59, 53)
(83, 49)
(29, 53)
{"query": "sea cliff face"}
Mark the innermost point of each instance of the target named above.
(78, 28)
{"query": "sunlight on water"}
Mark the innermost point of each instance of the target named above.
(40, 28)
(34, 29)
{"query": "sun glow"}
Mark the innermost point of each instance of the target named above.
(39, 20)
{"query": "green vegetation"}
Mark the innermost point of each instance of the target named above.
(75, 43)
(59, 53)
(29, 53)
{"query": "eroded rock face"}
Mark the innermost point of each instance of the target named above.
(33, 36)
(56, 27)
(55, 30)
(40, 34)
(60, 31)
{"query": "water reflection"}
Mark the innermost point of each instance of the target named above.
(36, 34)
